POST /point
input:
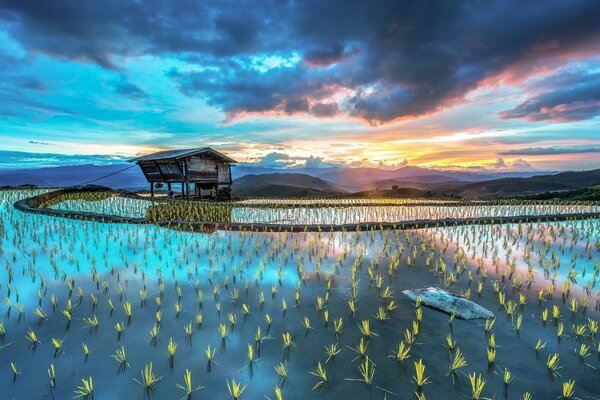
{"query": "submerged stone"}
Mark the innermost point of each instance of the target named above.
(447, 302)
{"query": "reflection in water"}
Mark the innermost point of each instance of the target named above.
(175, 278)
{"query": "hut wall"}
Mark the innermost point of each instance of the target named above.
(224, 173)
(202, 169)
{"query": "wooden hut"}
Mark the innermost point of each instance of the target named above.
(201, 172)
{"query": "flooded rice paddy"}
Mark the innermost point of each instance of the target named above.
(335, 211)
(305, 315)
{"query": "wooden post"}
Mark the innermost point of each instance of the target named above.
(182, 190)
(151, 189)
(187, 189)
(169, 186)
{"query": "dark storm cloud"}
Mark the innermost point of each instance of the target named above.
(572, 96)
(396, 59)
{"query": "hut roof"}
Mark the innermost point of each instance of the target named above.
(183, 153)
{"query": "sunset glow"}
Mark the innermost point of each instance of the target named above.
(261, 80)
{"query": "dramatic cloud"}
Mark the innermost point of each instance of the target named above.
(565, 97)
(377, 63)
(542, 151)
(130, 90)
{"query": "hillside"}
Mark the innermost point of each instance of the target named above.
(537, 184)
(283, 185)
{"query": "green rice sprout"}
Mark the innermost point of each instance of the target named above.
(491, 355)
(188, 329)
(477, 385)
(507, 376)
(188, 386)
(13, 368)
(250, 353)
(32, 337)
(331, 351)
(338, 325)
(171, 348)
(584, 351)
(568, 389)
(40, 314)
(553, 364)
(235, 389)
(86, 350)
(306, 323)
(365, 328)
(366, 370)
(91, 322)
(539, 345)
(281, 370)
(419, 378)
(223, 331)
(403, 352)
(149, 379)
(58, 344)
(321, 374)
(120, 356)
(86, 390)
(286, 339)
(127, 309)
(457, 362)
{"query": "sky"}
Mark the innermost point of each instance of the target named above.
(475, 85)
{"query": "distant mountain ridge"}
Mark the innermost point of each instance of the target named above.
(260, 181)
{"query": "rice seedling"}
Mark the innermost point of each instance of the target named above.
(86, 390)
(235, 389)
(32, 337)
(58, 345)
(14, 370)
(365, 328)
(491, 355)
(306, 324)
(188, 386)
(40, 314)
(403, 352)
(86, 350)
(560, 328)
(338, 325)
(250, 353)
(477, 385)
(367, 371)
(539, 345)
(419, 378)
(91, 322)
(507, 376)
(579, 330)
(223, 331)
(282, 372)
(331, 351)
(584, 351)
(553, 364)
(148, 378)
(210, 356)
(321, 375)
(52, 376)
(568, 389)
(489, 324)
(457, 362)
(120, 357)
(171, 348)
(286, 339)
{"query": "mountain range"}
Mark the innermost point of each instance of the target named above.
(265, 182)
